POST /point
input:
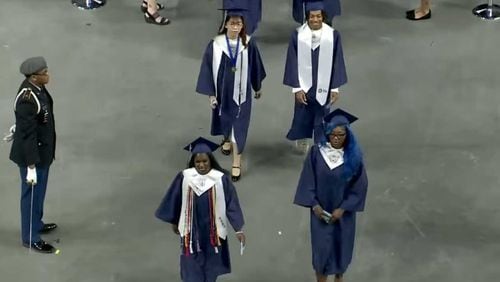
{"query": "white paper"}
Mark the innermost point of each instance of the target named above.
(242, 248)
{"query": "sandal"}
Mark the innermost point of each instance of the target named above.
(144, 6)
(226, 152)
(234, 177)
(156, 19)
(412, 16)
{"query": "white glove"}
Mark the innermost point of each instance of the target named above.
(10, 136)
(31, 176)
(213, 102)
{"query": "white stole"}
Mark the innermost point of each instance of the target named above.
(325, 61)
(241, 74)
(332, 157)
(201, 184)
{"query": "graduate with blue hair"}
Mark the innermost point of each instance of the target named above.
(333, 184)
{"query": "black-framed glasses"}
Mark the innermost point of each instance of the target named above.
(338, 135)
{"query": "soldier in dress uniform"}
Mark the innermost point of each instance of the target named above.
(33, 150)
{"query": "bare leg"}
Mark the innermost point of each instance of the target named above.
(152, 7)
(236, 169)
(226, 146)
(152, 15)
(321, 277)
(425, 6)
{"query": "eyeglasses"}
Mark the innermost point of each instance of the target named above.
(235, 23)
(337, 135)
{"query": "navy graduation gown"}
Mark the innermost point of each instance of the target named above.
(253, 15)
(331, 8)
(332, 244)
(308, 118)
(205, 265)
(231, 116)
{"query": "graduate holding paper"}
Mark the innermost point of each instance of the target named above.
(333, 184)
(200, 204)
(315, 70)
(230, 71)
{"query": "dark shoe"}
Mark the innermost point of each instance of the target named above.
(41, 247)
(156, 19)
(49, 227)
(144, 6)
(223, 151)
(234, 177)
(411, 16)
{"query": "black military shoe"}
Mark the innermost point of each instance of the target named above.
(41, 247)
(48, 227)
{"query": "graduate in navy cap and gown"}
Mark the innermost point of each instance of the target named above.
(331, 9)
(315, 70)
(231, 70)
(200, 204)
(333, 185)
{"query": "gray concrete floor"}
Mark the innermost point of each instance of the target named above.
(427, 94)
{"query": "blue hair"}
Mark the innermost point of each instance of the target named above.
(353, 157)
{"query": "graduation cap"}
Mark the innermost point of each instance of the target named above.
(313, 5)
(233, 8)
(340, 117)
(300, 7)
(201, 145)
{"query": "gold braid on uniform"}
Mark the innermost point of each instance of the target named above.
(27, 95)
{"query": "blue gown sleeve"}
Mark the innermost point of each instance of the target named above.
(354, 199)
(339, 74)
(306, 190)
(233, 209)
(291, 77)
(170, 207)
(205, 84)
(257, 73)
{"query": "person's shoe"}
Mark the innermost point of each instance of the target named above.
(156, 19)
(225, 150)
(41, 247)
(144, 6)
(411, 16)
(48, 227)
(235, 177)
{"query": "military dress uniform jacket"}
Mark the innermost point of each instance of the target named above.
(35, 137)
